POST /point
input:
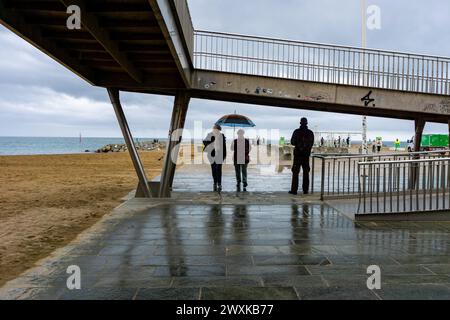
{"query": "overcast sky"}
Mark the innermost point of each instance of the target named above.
(38, 97)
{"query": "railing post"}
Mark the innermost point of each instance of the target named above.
(359, 190)
(313, 173)
(322, 187)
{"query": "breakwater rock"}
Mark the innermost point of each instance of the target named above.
(140, 146)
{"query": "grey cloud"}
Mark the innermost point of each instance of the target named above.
(40, 97)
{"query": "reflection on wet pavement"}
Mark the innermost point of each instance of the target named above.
(260, 179)
(255, 251)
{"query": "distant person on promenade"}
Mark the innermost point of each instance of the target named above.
(322, 142)
(397, 144)
(379, 145)
(215, 147)
(303, 141)
(241, 148)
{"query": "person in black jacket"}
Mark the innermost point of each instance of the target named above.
(303, 141)
(215, 147)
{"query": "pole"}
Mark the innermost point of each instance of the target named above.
(365, 149)
(126, 132)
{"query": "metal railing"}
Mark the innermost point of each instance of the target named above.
(338, 176)
(404, 186)
(321, 63)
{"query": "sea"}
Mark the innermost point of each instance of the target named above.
(52, 145)
(47, 145)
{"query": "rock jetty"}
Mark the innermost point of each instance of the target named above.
(141, 146)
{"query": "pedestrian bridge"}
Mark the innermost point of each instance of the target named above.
(150, 46)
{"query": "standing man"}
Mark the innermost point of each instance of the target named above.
(303, 141)
(241, 148)
(215, 147)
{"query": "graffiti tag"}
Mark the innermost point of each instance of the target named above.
(443, 107)
(367, 99)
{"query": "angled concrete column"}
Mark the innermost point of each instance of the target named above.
(414, 174)
(420, 126)
(177, 122)
(126, 132)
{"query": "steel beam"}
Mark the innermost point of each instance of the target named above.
(91, 22)
(126, 132)
(168, 21)
(177, 123)
(15, 22)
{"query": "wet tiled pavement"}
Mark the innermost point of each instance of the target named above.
(256, 245)
(260, 179)
(297, 251)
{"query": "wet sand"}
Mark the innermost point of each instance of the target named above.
(46, 201)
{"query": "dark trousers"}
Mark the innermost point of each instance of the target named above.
(217, 173)
(241, 173)
(300, 163)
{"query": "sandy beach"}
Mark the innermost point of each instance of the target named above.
(46, 201)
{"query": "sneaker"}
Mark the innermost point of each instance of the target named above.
(219, 189)
(215, 188)
(238, 188)
(293, 193)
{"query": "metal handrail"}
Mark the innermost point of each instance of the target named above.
(404, 186)
(339, 174)
(403, 161)
(314, 44)
(318, 62)
(397, 154)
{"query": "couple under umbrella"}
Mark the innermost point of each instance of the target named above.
(215, 147)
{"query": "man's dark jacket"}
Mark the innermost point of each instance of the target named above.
(212, 152)
(303, 140)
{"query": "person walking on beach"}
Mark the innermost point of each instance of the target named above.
(241, 148)
(303, 141)
(215, 147)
